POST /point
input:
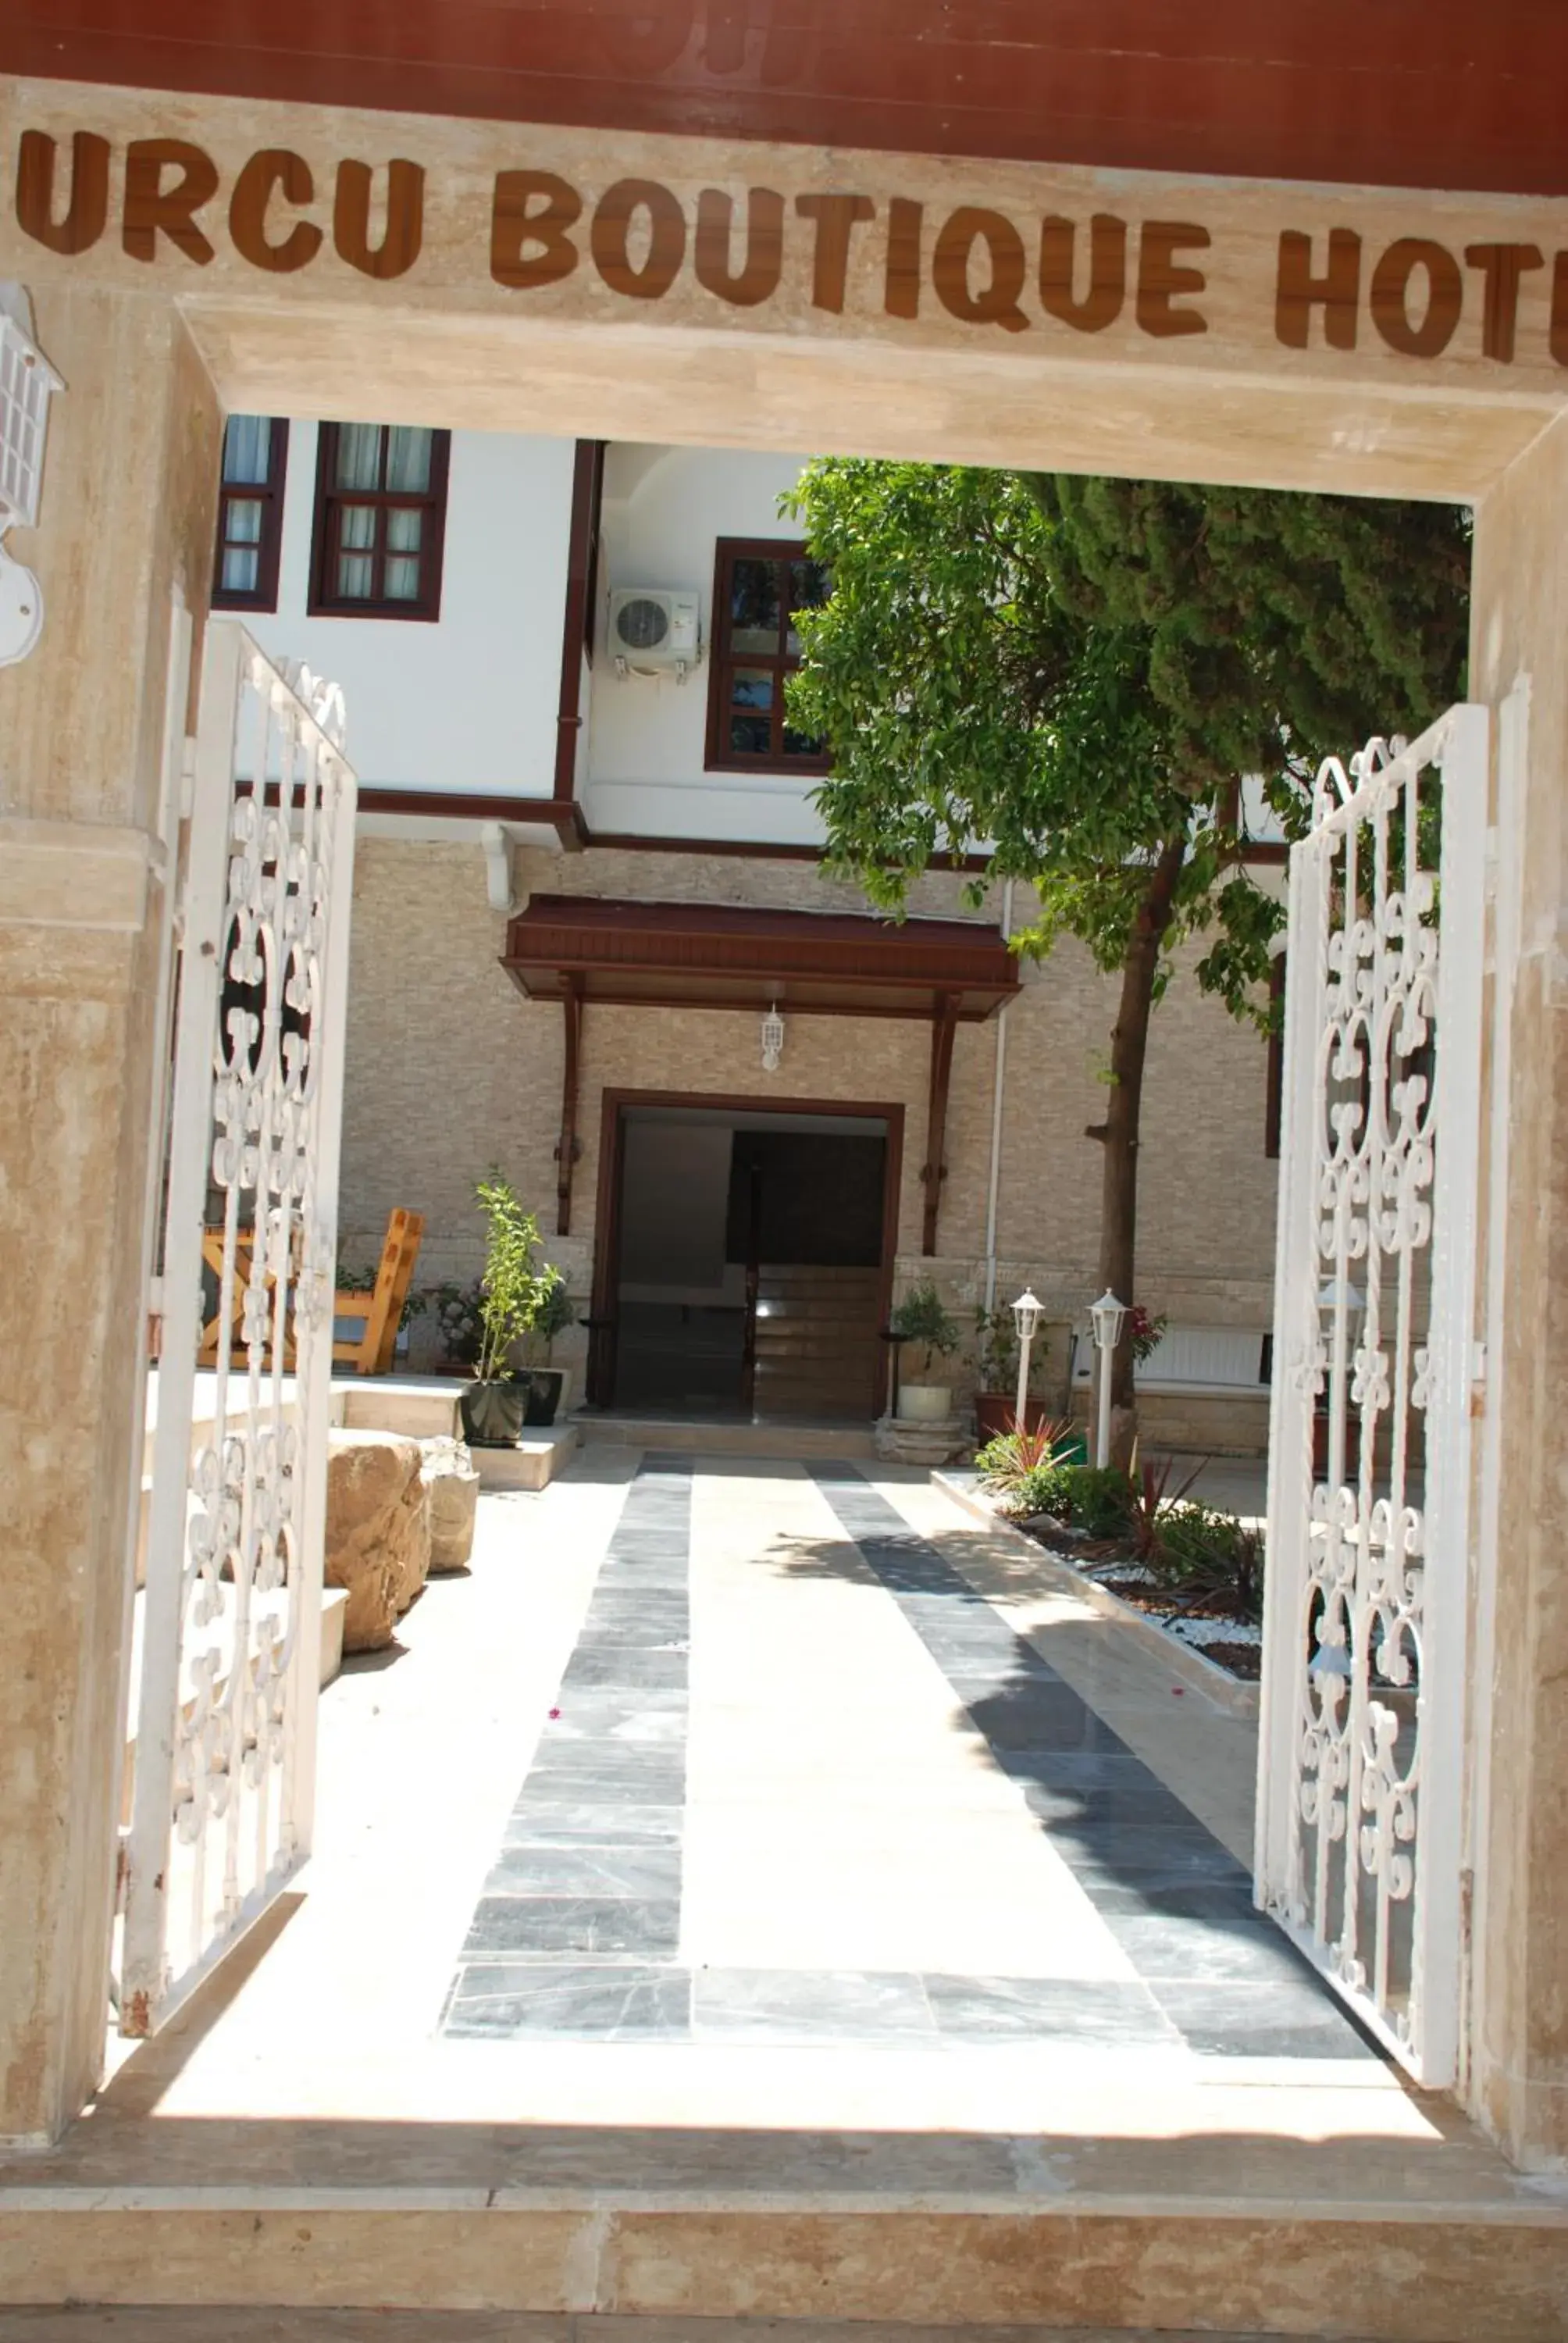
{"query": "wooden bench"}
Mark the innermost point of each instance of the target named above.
(379, 1311)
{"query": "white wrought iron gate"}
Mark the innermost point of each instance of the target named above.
(228, 1648)
(1360, 1820)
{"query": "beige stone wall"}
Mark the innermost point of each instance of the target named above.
(450, 1068)
(1519, 1846)
(126, 525)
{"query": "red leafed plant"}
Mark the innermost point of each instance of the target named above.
(1149, 1491)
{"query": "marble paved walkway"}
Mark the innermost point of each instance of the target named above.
(803, 1784)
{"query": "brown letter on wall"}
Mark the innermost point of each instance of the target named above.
(998, 304)
(533, 207)
(666, 244)
(399, 246)
(1102, 305)
(1161, 277)
(1390, 285)
(1503, 265)
(836, 218)
(1297, 291)
(275, 166)
(152, 209)
(764, 263)
(901, 297)
(89, 209)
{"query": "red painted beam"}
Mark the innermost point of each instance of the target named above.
(1414, 93)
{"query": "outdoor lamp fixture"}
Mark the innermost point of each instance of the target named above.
(1108, 1316)
(1025, 1318)
(772, 1039)
(26, 379)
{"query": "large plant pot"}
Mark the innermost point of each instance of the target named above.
(994, 1414)
(545, 1388)
(494, 1413)
(924, 1402)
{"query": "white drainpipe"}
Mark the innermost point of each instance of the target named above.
(993, 1192)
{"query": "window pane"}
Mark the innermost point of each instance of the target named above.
(754, 606)
(242, 520)
(404, 530)
(357, 526)
(247, 448)
(402, 577)
(808, 591)
(239, 569)
(801, 744)
(354, 577)
(408, 459)
(752, 687)
(750, 736)
(360, 455)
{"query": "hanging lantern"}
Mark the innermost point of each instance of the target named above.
(772, 1039)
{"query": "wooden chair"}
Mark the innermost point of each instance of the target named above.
(370, 1353)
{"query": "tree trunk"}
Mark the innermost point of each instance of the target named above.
(1118, 1133)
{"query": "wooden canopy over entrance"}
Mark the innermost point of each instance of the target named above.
(576, 948)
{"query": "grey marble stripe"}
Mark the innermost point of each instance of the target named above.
(1215, 1970)
(586, 1885)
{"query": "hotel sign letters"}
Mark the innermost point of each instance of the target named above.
(992, 269)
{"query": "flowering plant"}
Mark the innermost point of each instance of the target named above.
(1144, 1332)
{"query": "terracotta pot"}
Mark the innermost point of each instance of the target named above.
(494, 1413)
(994, 1414)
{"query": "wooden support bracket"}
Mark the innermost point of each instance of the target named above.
(569, 1146)
(944, 1024)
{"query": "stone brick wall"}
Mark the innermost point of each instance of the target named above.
(451, 1069)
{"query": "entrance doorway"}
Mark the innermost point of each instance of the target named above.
(745, 1256)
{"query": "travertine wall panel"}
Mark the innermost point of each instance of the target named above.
(127, 523)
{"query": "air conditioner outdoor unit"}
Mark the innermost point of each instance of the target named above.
(654, 632)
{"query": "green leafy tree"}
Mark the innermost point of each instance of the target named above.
(1077, 672)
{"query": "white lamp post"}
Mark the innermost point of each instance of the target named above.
(1108, 1315)
(1025, 1318)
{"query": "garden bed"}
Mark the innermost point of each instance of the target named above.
(1213, 1649)
(1206, 1624)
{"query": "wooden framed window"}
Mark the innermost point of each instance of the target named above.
(380, 521)
(250, 513)
(758, 585)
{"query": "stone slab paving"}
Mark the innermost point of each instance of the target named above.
(803, 1782)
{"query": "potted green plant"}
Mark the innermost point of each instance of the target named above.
(495, 1405)
(995, 1356)
(921, 1321)
(555, 1312)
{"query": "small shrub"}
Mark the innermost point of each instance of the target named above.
(1025, 1468)
(1209, 1555)
(1099, 1499)
(920, 1319)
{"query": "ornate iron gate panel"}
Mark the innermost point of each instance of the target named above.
(1360, 1836)
(229, 1659)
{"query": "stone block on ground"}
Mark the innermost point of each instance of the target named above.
(453, 1487)
(905, 1441)
(377, 1532)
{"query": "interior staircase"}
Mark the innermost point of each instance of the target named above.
(818, 1346)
